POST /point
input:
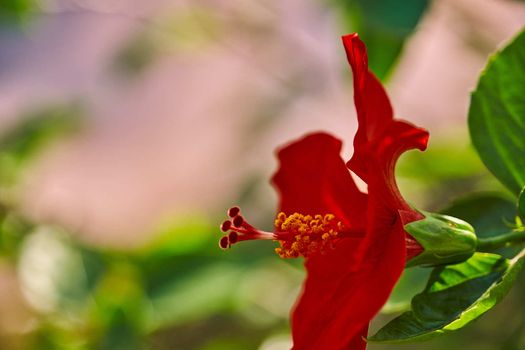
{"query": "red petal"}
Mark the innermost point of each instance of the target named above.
(398, 138)
(342, 292)
(313, 179)
(311, 320)
(377, 127)
(374, 111)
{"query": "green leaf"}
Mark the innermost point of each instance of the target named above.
(497, 115)
(383, 25)
(454, 296)
(412, 281)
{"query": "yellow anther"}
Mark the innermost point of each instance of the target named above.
(329, 217)
(281, 217)
(297, 246)
(308, 234)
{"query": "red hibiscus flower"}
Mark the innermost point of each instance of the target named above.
(354, 243)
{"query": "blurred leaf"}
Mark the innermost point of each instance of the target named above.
(136, 55)
(118, 316)
(181, 254)
(180, 236)
(187, 29)
(50, 337)
(187, 279)
(36, 129)
(13, 230)
(384, 26)
(119, 333)
(58, 276)
(32, 133)
(497, 115)
(489, 213)
(17, 11)
(226, 344)
(445, 160)
(197, 294)
(91, 298)
(521, 204)
(449, 168)
(192, 285)
(454, 296)
(218, 331)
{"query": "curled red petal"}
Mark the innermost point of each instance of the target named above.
(375, 116)
(313, 179)
(380, 139)
(400, 137)
(374, 111)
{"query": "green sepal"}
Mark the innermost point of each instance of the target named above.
(445, 240)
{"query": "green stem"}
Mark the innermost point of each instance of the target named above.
(490, 244)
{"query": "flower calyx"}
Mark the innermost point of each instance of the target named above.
(444, 239)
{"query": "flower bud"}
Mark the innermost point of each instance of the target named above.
(445, 240)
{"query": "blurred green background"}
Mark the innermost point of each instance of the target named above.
(126, 131)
